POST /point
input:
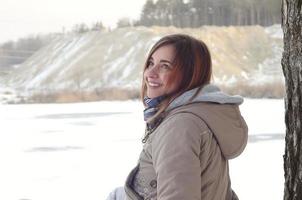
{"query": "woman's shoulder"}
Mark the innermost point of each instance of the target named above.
(184, 114)
(180, 122)
(179, 131)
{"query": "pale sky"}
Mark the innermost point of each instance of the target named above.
(19, 18)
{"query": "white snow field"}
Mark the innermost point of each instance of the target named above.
(82, 151)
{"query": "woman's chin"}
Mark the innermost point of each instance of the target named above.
(153, 95)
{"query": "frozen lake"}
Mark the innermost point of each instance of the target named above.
(81, 151)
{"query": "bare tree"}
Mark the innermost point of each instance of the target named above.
(292, 69)
(98, 26)
(80, 28)
(124, 22)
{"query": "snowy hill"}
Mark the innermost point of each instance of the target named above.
(115, 58)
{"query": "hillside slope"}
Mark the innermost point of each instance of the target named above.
(115, 58)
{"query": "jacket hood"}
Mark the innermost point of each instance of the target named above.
(220, 112)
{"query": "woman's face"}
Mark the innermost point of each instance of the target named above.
(159, 71)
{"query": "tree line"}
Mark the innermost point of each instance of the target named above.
(196, 13)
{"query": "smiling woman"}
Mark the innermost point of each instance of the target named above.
(158, 72)
(192, 128)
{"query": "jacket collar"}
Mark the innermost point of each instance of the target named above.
(208, 93)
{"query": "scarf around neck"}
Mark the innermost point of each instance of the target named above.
(152, 106)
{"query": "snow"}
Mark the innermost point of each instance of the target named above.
(275, 31)
(84, 150)
(8, 95)
(68, 51)
(44, 74)
(116, 66)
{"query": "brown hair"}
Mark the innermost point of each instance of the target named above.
(192, 65)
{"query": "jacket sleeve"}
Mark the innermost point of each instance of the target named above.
(176, 157)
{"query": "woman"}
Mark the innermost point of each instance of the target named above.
(192, 127)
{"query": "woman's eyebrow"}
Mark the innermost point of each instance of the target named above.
(166, 61)
(162, 60)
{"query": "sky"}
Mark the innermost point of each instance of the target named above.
(22, 18)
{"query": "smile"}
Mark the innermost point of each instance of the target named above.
(153, 84)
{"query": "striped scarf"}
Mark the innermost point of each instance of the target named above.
(152, 106)
(149, 112)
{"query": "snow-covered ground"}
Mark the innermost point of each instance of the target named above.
(82, 151)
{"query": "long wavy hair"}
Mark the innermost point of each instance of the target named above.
(192, 66)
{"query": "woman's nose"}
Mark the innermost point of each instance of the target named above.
(152, 71)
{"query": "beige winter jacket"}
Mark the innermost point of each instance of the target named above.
(186, 157)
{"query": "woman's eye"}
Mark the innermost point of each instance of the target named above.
(166, 67)
(149, 64)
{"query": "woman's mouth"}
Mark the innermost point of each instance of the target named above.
(153, 84)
